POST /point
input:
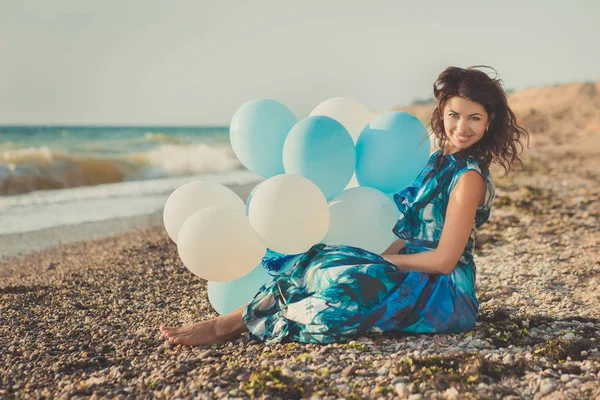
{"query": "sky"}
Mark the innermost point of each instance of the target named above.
(179, 62)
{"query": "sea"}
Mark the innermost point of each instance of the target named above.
(51, 176)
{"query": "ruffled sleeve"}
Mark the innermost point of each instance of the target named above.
(411, 198)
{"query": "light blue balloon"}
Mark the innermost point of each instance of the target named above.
(257, 132)
(320, 149)
(226, 297)
(391, 151)
(362, 217)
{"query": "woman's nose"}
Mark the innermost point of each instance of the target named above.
(461, 126)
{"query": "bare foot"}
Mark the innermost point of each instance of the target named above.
(198, 334)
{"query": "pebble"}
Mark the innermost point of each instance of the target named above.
(349, 371)
(402, 390)
(547, 388)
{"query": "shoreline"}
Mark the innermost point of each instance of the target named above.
(23, 244)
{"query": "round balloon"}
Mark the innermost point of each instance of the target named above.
(226, 297)
(391, 151)
(289, 213)
(350, 113)
(195, 196)
(362, 217)
(319, 148)
(218, 244)
(258, 130)
(250, 197)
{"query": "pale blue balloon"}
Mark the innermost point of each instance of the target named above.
(257, 132)
(320, 149)
(362, 217)
(391, 151)
(226, 297)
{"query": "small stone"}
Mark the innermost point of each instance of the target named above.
(547, 388)
(348, 371)
(285, 371)
(565, 378)
(95, 381)
(416, 396)
(569, 336)
(206, 354)
(402, 390)
(451, 393)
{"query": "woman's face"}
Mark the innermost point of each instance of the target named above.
(465, 122)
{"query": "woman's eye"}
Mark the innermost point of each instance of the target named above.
(475, 118)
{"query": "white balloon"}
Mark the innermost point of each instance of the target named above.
(289, 213)
(362, 217)
(350, 113)
(195, 196)
(218, 244)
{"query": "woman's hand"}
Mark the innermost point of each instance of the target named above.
(394, 247)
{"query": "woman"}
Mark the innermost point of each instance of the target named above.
(423, 283)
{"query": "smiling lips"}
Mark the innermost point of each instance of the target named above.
(462, 138)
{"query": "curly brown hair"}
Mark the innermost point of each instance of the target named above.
(502, 142)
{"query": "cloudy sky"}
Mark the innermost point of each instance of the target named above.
(178, 62)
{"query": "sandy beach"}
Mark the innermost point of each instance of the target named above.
(80, 318)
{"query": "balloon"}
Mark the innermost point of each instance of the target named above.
(257, 132)
(391, 151)
(289, 213)
(226, 297)
(350, 113)
(250, 197)
(195, 196)
(218, 244)
(319, 148)
(362, 217)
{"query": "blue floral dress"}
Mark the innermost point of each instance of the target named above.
(333, 293)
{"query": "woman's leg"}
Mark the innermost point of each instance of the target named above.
(214, 331)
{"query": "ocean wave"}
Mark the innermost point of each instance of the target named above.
(42, 168)
(192, 159)
(162, 137)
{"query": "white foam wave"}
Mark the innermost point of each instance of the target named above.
(191, 159)
(51, 208)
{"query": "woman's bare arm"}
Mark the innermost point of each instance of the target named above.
(460, 215)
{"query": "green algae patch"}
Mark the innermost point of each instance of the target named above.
(355, 346)
(559, 350)
(463, 371)
(272, 382)
(503, 330)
